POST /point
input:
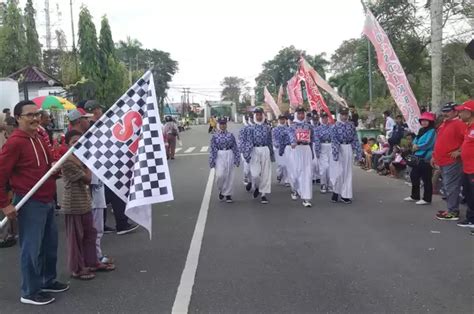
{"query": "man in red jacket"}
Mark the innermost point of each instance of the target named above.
(446, 155)
(24, 160)
(466, 113)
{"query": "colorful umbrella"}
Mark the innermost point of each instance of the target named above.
(53, 102)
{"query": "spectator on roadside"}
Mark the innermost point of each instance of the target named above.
(369, 154)
(353, 115)
(24, 160)
(406, 144)
(398, 164)
(10, 122)
(398, 132)
(45, 120)
(383, 149)
(171, 130)
(389, 124)
(466, 113)
(423, 146)
(93, 107)
(3, 130)
(365, 149)
(79, 120)
(446, 155)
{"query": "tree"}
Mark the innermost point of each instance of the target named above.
(12, 40)
(232, 88)
(88, 46)
(283, 66)
(457, 73)
(33, 50)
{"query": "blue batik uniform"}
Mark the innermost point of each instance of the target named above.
(243, 134)
(257, 150)
(224, 156)
(344, 143)
(301, 159)
(281, 140)
(322, 135)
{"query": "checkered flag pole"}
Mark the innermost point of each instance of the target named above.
(125, 149)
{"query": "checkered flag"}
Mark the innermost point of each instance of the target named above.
(125, 149)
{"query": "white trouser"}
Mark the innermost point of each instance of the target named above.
(324, 163)
(281, 166)
(315, 166)
(261, 169)
(289, 152)
(341, 172)
(246, 169)
(302, 166)
(225, 172)
(98, 217)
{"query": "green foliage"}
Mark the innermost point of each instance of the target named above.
(88, 46)
(283, 66)
(12, 40)
(458, 73)
(61, 65)
(106, 48)
(114, 84)
(33, 46)
(232, 88)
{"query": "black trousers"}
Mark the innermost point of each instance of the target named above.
(423, 172)
(468, 188)
(121, 220)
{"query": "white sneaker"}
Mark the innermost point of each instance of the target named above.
(307, 203)
(294, 196)
(324, 189)
(422, 202)
(409, 199)
(370, 170)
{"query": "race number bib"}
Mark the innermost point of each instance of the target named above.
(303, 136)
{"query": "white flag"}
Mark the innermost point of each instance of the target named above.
(271, 102)
(125, 149)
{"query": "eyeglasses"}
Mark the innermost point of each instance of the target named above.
(31, 115)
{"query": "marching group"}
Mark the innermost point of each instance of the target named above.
(309, 148)
(28, 153)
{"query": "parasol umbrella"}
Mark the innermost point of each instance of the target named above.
(53, 102)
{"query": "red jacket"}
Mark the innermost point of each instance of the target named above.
(449, 138)
(467, 150)
(24, 160)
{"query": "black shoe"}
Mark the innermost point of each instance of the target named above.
(466, 224)
(221, 197)
(39, 298)
(346, 200)
(108, 229)
(228, 199)
(248, 187)
(8, 242)
(314, 181)
(56, 287)
(335, 197)
(129, 228)
(256, 193)
(264, 200)
(318, 181)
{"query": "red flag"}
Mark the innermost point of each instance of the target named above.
(294, 91)
(393, 72)
(315, 98)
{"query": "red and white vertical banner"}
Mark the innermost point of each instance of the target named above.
(321, 82)
(393, 72)
(295, 94)
(315, 98)
(271, 102)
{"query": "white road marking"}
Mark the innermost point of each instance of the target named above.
(189, 150)
(204, 149)
(185, 288)
(192, 154)
(177, 149)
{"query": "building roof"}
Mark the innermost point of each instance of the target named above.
(33, 74)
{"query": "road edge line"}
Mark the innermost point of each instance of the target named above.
(185, 288)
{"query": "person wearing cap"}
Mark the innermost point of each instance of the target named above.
(302, 139)
(93, 107)
(243, 133)
(223, 157)
(315, 122)
(322, 149)
(281, 140)
(79, 120)
(447, 156)
(257, 148)
(466, 113)
(344, 143)
(423, 146)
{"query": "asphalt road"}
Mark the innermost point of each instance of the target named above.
(378, 255)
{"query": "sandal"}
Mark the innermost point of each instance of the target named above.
(83, 275)
(102, 267)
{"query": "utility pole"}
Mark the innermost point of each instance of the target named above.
(48, 24)
(436, 52)
(74, 51)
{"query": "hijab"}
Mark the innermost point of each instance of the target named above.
(423, 131)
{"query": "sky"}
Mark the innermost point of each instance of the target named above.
(214, 39)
